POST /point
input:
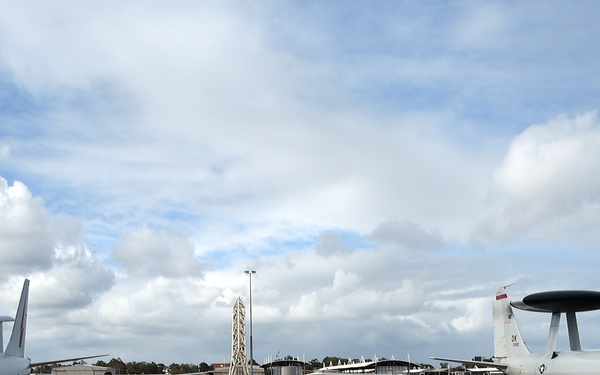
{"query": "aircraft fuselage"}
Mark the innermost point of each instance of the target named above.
(14, 365)
(564, 363)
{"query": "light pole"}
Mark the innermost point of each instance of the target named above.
(251, 346)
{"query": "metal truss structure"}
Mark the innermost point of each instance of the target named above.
(239, 362)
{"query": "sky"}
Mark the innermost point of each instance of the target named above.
(382, 166)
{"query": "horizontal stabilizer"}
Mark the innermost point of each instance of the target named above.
(66, 360)
(475, 363)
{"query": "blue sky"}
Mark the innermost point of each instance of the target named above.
(384, 166)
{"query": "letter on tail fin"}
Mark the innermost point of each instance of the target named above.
(507, 337)
(16, 345)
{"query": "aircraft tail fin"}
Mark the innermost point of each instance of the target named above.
(507, 336)
(16, 344)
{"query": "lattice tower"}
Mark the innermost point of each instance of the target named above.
(239, 363)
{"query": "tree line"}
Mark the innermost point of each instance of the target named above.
(153, 367)
(134, 367)
(181, 368)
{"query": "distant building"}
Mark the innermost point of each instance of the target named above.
(83, 370)
(285, 367)
(215, 366)
(376, 366)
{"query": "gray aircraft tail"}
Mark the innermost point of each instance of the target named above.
(16, 344)
(507, 336)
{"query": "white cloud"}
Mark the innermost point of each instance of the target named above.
(47, 249)
(27, 241)
(547, 182)
(78, 276)
(151, 253)
(476, 316)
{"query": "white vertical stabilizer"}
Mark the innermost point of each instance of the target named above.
(16, 344)
(508, 341)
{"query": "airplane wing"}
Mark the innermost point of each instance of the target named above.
(469, 362)
(66, 360)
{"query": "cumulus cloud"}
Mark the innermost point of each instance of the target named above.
(48, 249)
(475, 316)
(548, 179)
(27, 241)
(151, 253)
(349, 296)
(77, 278)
